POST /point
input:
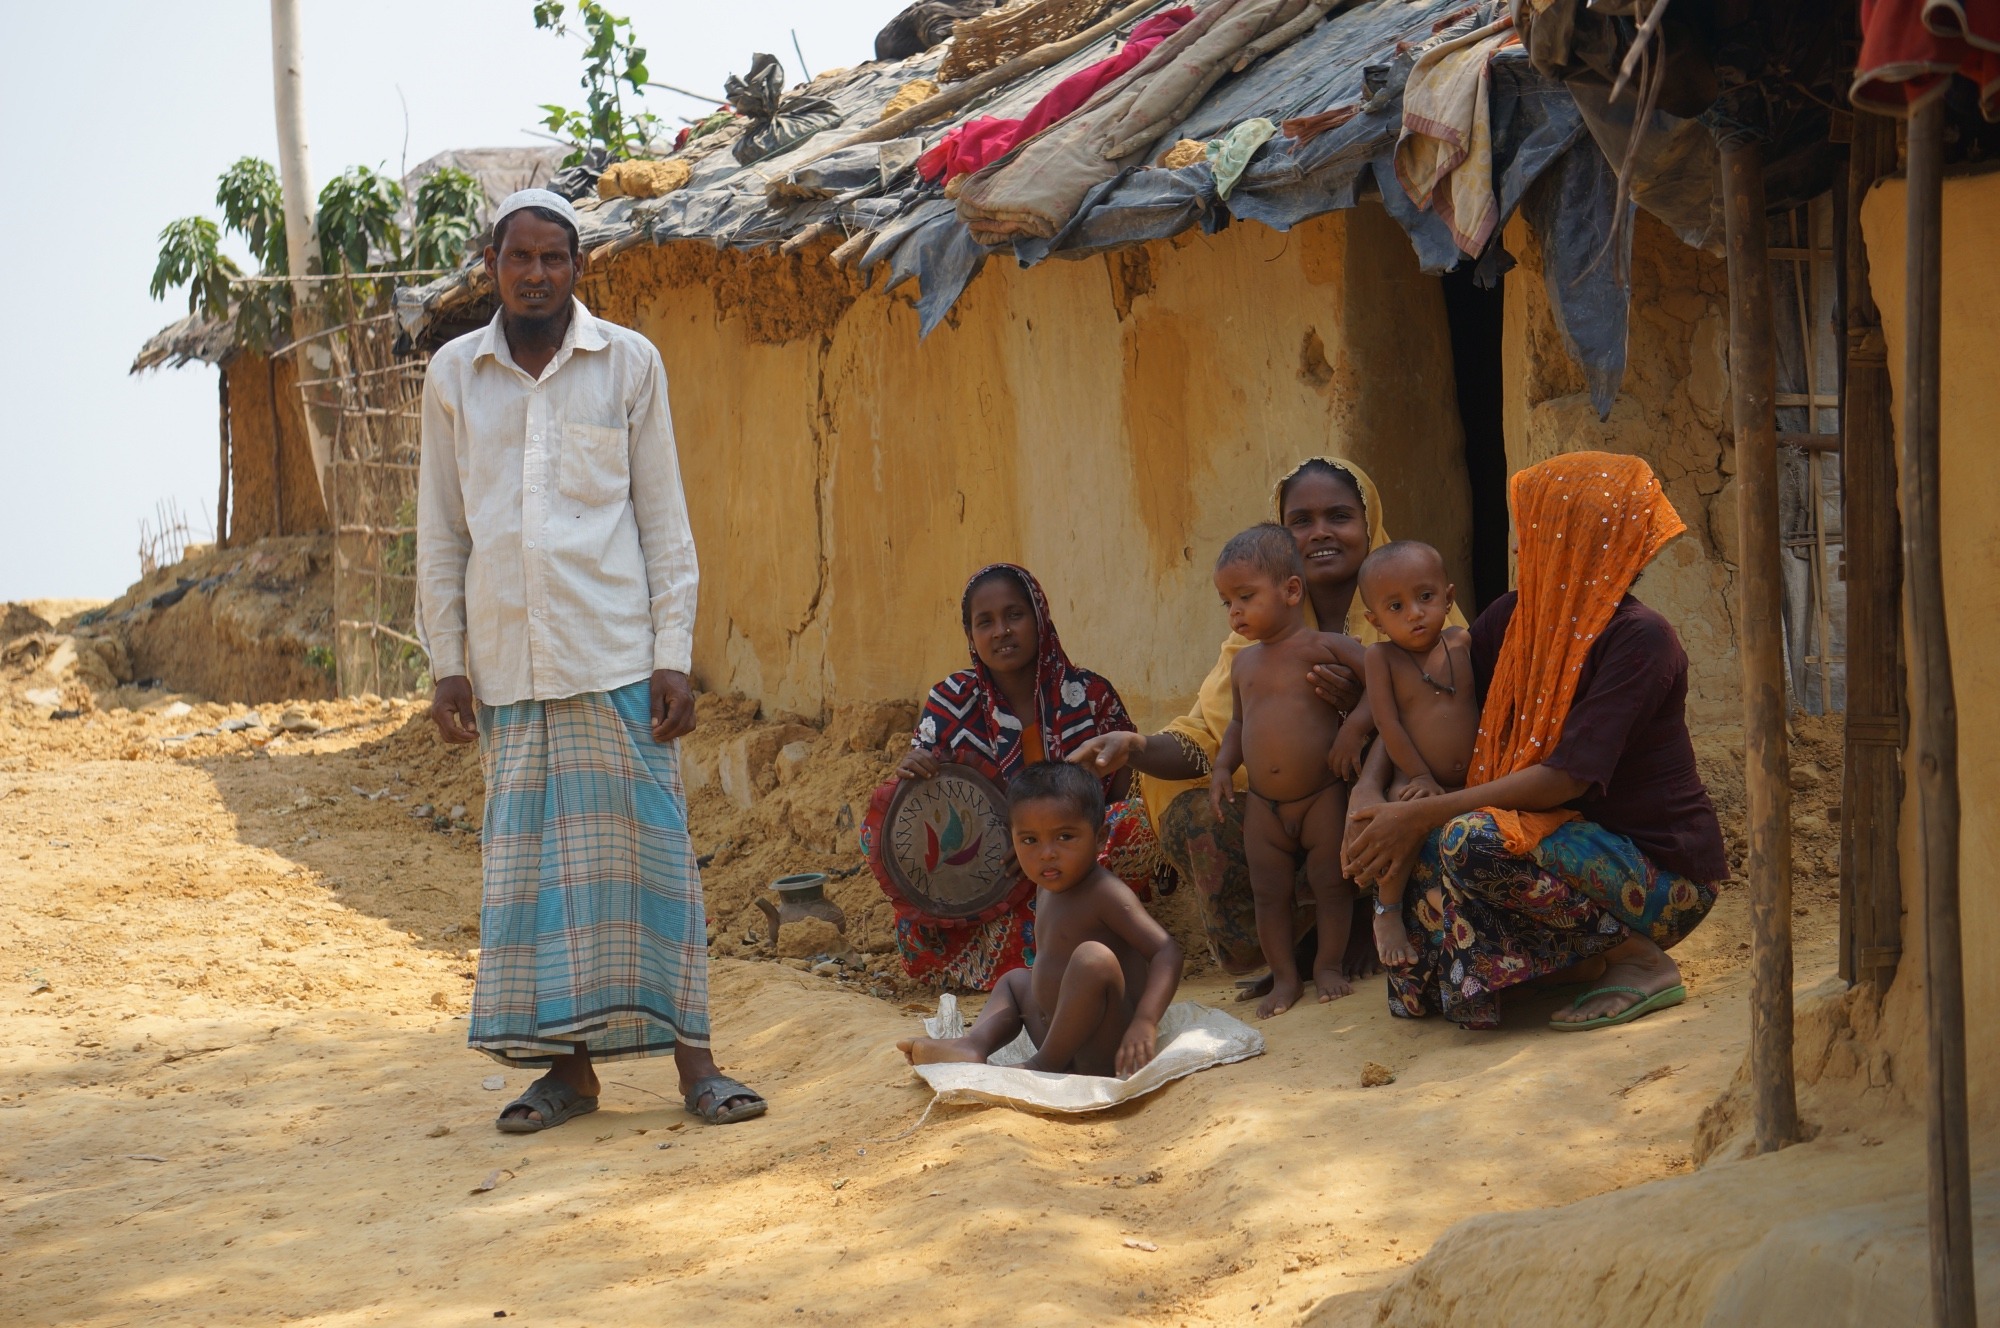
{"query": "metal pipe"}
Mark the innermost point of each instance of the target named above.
(1935, 761)
(1752, 390)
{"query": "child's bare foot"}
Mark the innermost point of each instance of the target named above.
(1332, 984)
(933, 1051)
(1284, 995)
(1392, 940)
(1362, 959)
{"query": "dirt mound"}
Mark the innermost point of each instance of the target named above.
(767, 797)
(250, 624)
(19, 620)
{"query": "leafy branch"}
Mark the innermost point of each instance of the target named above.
(189, 256)
(359, 226)
(612, 62)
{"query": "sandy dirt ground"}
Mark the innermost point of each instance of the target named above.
(235, 970)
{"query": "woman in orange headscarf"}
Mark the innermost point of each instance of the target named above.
(1584, 829)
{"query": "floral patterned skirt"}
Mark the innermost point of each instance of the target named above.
(1207, 851)
(1505, 920)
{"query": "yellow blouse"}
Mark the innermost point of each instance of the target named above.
(1214, 705)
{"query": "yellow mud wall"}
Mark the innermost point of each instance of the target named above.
(1672, 409)
(1969, 514)
(1106, 422)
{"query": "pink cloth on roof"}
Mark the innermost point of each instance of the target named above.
(978, 143)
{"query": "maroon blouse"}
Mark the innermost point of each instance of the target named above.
(1626, 736)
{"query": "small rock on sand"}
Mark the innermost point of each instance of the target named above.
(493, 1083)
(1374, 1075)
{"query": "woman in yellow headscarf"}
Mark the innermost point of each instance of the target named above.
(1583, 829)
(1334, 512)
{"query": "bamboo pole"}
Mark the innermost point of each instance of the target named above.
(1871, 886)
(1936, 755)
(1752, 390)
(222, 490)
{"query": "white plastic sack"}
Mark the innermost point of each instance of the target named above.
(1192, 1037)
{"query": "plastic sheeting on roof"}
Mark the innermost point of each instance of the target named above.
(1543, 160)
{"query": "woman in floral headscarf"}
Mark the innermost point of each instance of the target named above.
(1020, 702)
(1583, 829)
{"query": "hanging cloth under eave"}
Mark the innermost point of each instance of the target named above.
(1911, 48)
(1444, 159)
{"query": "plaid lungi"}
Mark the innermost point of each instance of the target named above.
(591, 926)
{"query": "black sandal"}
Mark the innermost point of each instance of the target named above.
(720, 1089)
(554, 1099)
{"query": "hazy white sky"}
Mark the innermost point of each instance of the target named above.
(120, 124)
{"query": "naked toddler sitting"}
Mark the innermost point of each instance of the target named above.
(1420, 689)
(1104, 970)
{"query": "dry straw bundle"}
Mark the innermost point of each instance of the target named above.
(979, 44)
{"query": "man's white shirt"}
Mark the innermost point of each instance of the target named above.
(554, 555)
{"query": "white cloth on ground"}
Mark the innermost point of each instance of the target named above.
(1192, 1037)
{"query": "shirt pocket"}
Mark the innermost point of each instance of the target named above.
(596, 466)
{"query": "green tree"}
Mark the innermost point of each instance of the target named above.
(357, 216)
(447, 206)
(612, 61)
(189, 256)
(253, 205)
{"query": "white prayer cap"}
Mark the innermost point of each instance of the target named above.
(537, 198)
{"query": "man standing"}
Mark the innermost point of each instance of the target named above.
(556, 590)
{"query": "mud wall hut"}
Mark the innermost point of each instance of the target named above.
(870, 405)
(1107, 422)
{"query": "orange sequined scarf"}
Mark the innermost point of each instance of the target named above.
(1587, 523)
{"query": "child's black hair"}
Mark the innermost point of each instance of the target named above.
(1393, 551)
(1268, 547)
(1059, 781)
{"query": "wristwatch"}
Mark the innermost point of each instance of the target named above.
(1382, 909)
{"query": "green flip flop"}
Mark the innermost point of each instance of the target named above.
(1645, 1005)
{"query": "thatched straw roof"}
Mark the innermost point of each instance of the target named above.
(211, 341)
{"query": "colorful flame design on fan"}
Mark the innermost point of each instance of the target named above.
(950, 847)
(945, 843)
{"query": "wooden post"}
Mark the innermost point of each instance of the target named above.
(277, 447)
(1871, 887)
(222, 490)
(1760, 628)
(1936, 753)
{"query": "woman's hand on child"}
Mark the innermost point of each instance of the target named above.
(917, 764)
(1337, 686)
(1107, 753)
(1383, 841)
(1140, 1044)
